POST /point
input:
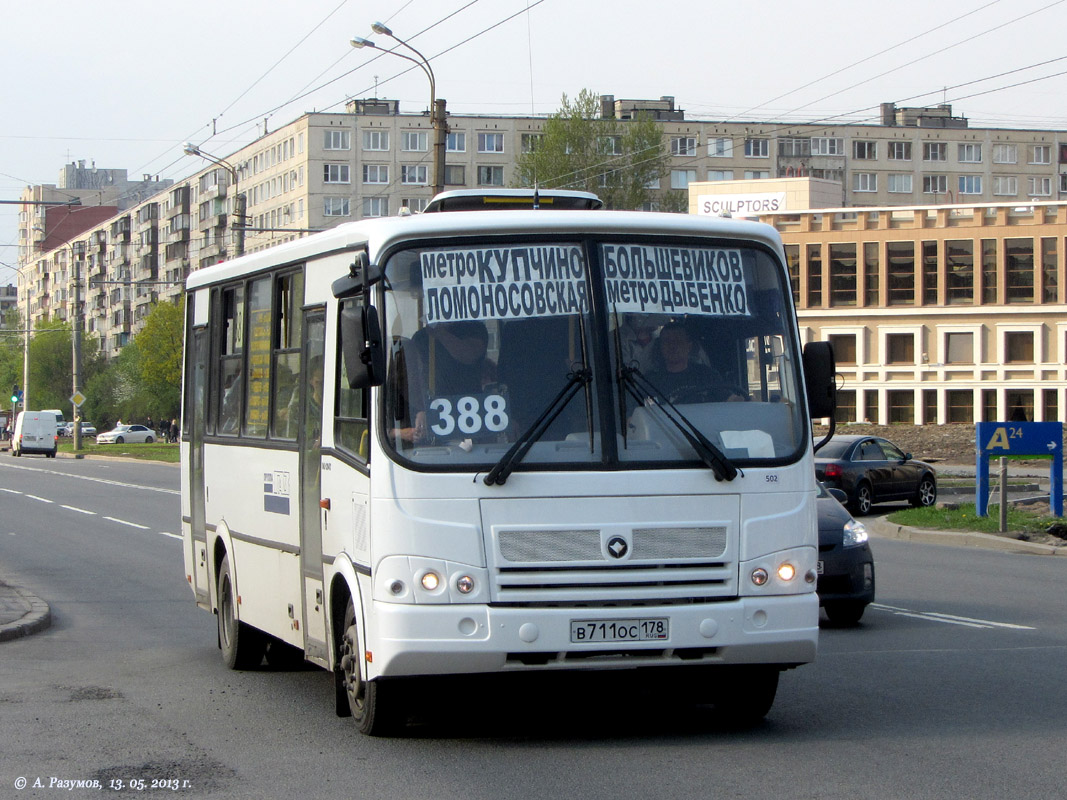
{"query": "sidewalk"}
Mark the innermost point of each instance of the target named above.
(21, 612)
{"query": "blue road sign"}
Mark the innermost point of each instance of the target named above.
(1014, 440)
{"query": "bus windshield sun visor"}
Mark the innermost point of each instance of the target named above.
(575, 381)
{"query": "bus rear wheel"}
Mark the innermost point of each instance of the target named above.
(242, 645)
(374, 714)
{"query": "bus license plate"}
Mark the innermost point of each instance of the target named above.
(620, 630)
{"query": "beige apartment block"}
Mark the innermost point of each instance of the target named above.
(950, 313)
(324, 169)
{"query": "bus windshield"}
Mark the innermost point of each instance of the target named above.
(619, 354)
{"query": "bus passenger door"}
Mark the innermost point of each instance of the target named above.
(195, 424)
(310, 487)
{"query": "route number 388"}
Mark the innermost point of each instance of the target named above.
(469, 414)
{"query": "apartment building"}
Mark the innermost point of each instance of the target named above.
(323, 169)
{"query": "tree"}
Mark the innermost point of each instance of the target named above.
(159, 345)
(618, 160)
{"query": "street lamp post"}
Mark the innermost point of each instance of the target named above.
(437, 107)
(239, 200)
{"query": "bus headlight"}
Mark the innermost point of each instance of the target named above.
(414, 579)
(465, 584)
(786, 572)
(759, 576)
(430, 581)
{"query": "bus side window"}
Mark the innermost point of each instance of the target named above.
(230, 348)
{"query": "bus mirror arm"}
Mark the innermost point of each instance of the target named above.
(361, 275)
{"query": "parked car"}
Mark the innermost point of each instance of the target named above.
(870, 470)
(846, 566)
(122, 434)
(88, 429)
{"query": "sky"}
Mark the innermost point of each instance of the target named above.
(125, 84)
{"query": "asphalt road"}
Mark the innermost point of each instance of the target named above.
(951, 687)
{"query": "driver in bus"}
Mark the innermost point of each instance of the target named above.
(680, 378)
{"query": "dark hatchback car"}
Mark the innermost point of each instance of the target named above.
(846, 566)
(869, 470)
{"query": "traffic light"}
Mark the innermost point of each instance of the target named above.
(15, 393)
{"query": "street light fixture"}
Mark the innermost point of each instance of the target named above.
(437, 107)
(239, 200)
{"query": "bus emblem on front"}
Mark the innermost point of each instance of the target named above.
(617, 547)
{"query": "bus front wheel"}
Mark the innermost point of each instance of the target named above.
(242, 645)
(372, 712)
(747, 694)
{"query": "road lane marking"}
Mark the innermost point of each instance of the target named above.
(951, 619)
(94, 480)
(9, 491)
(124, 522)
(42, 499)
(79, 510)
(171, 535)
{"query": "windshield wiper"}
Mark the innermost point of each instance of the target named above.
(646, 393)
(504, 467)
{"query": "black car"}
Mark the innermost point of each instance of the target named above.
(846, 567)
(869, 470)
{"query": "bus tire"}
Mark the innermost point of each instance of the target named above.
(373, 714)
(747, 695)
(242, 645)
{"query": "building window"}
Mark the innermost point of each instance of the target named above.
(959, 348)
(1051, 401)
(337, 140)
(846, 405)
(969, 153)
(792, 262)
(929, 407)
(1019, 347)
(871, 260)
(335, 173)
(989, 271)
(929, 273)
(612, 145)
(413, 173)
(864, 182)
(935, 151)
(829, 174)
(529, 142)
(490, 143)
(899, 151)
(413, 141)
(1049, 271)
(1005, 185)
(1005, 153)
(455, 175)
(721, 148)
(935, 184)
(757, 148)
(865, 150)
(901, 273)
(989, 405)
(900, 183)
(794, 147)
(970, 184)
(843, 279)
(376, 140)
(335, 207)
(827, 146)
(720, 174)
(959, 274)
(814, 276)
(844, 347)
(901, 406)
(1040, 187)
(683, 146)
(757, 174)
(681, 178)
(375, 206)
(960, 405)
(490, 176)
(1041, 154)
(456, 142)
(1019, 270)
(415, 204)
(376, 173)
(900, 348)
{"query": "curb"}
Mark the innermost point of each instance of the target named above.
(883, 528)
(37, 617)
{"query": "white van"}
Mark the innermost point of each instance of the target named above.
(35, 432)
(60, 420)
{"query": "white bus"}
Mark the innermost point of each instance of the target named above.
(474, 443)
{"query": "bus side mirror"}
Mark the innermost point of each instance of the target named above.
(361, 345)
(819, 372)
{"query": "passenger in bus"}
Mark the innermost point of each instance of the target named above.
(231, 403)
(681, 379)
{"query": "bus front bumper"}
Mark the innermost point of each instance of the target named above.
(457, 639)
